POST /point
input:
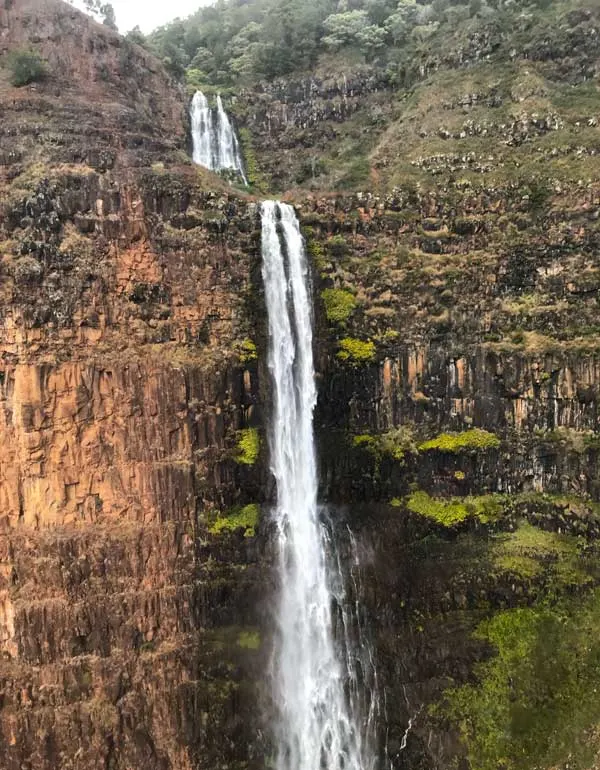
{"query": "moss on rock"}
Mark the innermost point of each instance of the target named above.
(473, 439)
(249, 640)
(535, 703)
(455, 510)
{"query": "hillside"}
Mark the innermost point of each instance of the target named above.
(454, 94)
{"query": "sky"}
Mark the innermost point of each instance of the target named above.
(149, 14)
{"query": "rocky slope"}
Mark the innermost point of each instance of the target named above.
(457, 421)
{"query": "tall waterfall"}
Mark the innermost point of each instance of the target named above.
(325, 720)
(215, 144)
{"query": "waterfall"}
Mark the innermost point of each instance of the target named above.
(215, 144)
(227, 142)
(202, 131)
(319, 682)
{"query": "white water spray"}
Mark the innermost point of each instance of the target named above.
(215, 144)
(320, 685)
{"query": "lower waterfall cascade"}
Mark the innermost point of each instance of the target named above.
(326, 707)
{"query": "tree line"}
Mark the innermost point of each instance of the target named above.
(241, 41)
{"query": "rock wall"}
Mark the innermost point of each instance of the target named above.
(457, 419)
(129, 634)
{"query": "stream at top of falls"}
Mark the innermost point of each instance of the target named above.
(323, 677)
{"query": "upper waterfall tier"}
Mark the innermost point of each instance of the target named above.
(215, 143)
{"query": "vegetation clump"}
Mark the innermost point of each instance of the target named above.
(229, 42)
(529, 551)
(253, 175)
(356, 352)
(248, 446)
(535, 703)
(473, 439)
(455, 510)
(339, 305)
(26, 67)
(249, 640)
(248, 351)
(393, 443)
(245, 518)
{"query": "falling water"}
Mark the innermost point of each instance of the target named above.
(325, 720)
(202, 131)
(215, 144)
(228, 146)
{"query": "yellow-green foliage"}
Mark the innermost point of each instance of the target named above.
(529, 551)
(454, 510)
(473, 439)
(249, 640)
(365, 440)
(195, 79)
(248, 446)
(245, 518)
(316, 251)
(339, 305)
(536, 702)
(248, 351)
(356, 351)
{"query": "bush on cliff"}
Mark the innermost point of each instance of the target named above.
(26, 67)
(339, 305)
(356, 352)
(473, 439)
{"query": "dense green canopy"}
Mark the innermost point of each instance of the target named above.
(236, 41)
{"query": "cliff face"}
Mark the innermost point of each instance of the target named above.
(124, 625)
(457, 418)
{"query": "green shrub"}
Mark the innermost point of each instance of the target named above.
(476, 438)
(245, 518)
(455, 509)
(339, 305)
(26, 67)
(337, 246)
(248, 351)
(248, 446)
(356, 351)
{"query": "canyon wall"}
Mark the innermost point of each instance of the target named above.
(458, 374)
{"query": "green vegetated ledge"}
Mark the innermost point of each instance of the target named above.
(237, 518)
(473, 439)
(535, 702)
(531, 701)
(529, 571)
